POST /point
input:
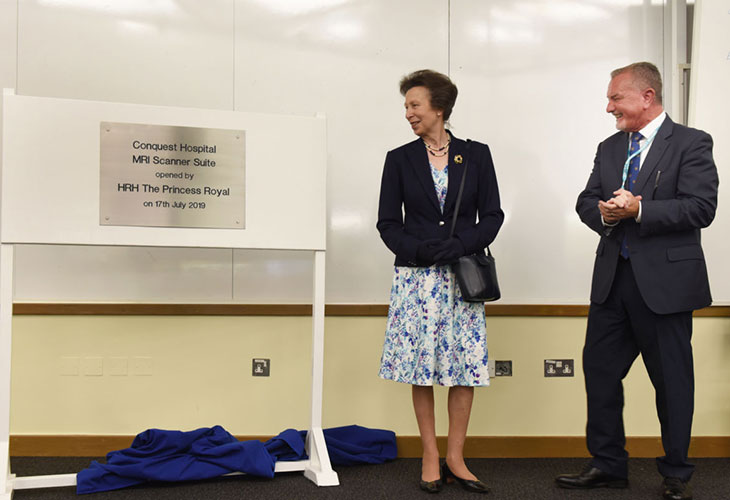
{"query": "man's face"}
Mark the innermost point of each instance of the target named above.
(628, 103)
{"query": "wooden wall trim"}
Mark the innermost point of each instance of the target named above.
(379, 310)
(562, 446)
(107, 309)
(408, 446)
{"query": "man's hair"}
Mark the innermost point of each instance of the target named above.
(645, 74)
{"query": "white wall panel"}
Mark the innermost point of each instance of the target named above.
(114, 274)
(272, 277)
(709, 111)
(161, 52)
(532, 77)
(344, 58)
(8, 38)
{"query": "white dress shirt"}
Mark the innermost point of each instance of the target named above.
(645, 132)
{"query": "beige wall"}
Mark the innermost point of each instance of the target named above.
(201, 376)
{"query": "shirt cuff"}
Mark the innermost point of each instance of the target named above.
(607, 224)
(638, 217)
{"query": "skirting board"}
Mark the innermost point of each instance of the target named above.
(408, 446)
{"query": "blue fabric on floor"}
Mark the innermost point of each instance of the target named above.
(160, 455)
(354, 445)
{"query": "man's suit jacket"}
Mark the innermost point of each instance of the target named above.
(407, 186)
(678, 184)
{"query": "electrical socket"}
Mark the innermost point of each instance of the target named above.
(92, 366)
(261, 367)
(559, 368)
(141, 366)
(116, 365)
(503, 368)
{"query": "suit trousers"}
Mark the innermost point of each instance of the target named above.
(618, 330)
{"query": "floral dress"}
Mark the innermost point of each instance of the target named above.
(433, 337)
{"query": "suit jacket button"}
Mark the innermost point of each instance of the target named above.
(441, 223)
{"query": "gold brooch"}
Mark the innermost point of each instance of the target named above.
(458, 159)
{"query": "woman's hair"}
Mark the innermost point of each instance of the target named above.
(442, 89)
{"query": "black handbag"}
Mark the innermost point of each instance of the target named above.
(476, 274)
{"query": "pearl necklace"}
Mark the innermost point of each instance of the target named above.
(442, 151)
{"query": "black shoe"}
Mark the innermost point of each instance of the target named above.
(475, 486)
(591, 478)
(431, 486)
(675, 489)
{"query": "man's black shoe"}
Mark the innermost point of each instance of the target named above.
(675, 489)
(591, 478)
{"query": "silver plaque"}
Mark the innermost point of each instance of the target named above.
(158, 175)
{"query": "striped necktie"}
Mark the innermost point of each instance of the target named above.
(634, 166)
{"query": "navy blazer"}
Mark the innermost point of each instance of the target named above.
(678, 183)
(407, 187)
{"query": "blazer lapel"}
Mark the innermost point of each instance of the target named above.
(620, 154)
(457, 160)
(418, 158)
(656, 151)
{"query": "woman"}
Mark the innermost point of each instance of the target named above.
(433, 336)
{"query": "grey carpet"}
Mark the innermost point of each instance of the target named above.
(510, 479)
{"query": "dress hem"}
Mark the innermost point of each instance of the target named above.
(432, 384)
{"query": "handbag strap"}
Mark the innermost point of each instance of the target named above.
(461, 189)
(461, 192)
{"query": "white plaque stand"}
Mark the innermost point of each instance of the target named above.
(68, 131)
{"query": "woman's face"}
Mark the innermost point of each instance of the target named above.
(423, 118)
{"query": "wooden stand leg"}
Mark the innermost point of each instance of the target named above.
(6, 479)
(319, 470)
(6, 317)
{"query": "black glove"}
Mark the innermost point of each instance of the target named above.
(426, 251)
(449, 250)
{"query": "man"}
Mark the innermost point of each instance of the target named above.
(647, 197)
